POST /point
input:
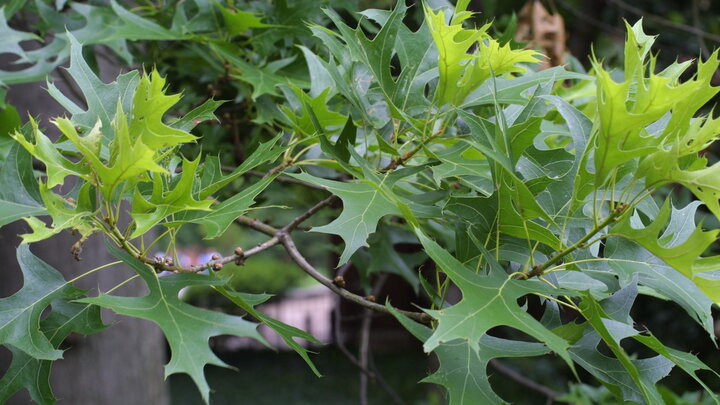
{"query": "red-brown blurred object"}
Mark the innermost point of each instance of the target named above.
(539, 28)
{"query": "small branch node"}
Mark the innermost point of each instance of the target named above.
(339, 281)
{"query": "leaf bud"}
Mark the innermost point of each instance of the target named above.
(339, 281)
(217, 266)
(370, 298)
(216, 256)
(239, 251)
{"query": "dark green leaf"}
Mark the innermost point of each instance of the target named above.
(187, 328)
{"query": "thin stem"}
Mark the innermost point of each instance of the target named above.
(292, 250)
(257, 225)
(285, 179)
(157, 239)
(401, 160)
(307, 214)
(96, 269)
(582, 243)
(122, 284)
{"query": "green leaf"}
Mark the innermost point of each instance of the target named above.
(453, 43)
(619, 380)
(63, 216)
(461, 162)
(20, 313)
(161, 204)
(572, 185)
(136, 27)
(404, 91)
(9, 122)
(287, 333)
(186, 327)
(628, 107)
(460, 72)
(679, 249)
(130, 158)
(630, 261)
(375, 53)
(363, 206)
(12, 38)
(663, 167)
(57, 166)
(212, 179)
(511, 90)
(102, 99)
(33, 374)
(688, 362)
(315, 113)
(203, 112)
(340, 149)
(643, 373)
(488, 301)
(263, 79)
(238, 22)
(149, 105)
(618, 307)
(462, 370)
(218, 218)
(19, 195)
(383, 257)
(320, 78)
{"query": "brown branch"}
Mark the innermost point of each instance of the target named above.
(307, 214)
(257, 225)
(364, 353)
(352, 359)
(279, 168)
(522, 380)
(292, 250)
(238, 258)
(401, 160)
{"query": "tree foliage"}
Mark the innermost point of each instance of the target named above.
(445, 134)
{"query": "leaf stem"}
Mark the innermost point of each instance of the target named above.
(539, 270)
(96, 269)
